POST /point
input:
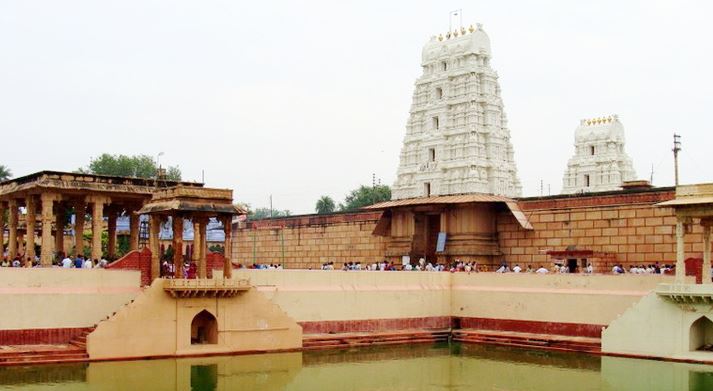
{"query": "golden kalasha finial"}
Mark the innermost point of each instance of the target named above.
(462, 31)
(448, 35)
(455, 33)
(440, 37)
(471, 28)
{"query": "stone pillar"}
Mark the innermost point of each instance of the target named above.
(111, 230)
(12, 229)
(97, 220)
(47, 252)
(680, 255)
(204, 247)
(154, 228)
(2, 229)
(80, 214)
(30, 219)
(197, 248)
(178, 245)
(227, 246)
(60, 217)
(706, 272)
(133, 230)
(21, 244)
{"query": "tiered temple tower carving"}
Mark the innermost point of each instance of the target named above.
(457, 139)
(600, 162)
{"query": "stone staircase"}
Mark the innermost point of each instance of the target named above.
(42, 354)
(73, 351)
(80, 341)
(529, 340)
(348, 340)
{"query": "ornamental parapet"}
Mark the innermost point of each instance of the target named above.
(206, 287)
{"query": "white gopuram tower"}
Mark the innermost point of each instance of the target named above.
(457, 140)
(599, 162)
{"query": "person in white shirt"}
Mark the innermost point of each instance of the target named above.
(408, 267)
(501, 269)
(589, 269)
(542, 270)
(67, 262)
(517, 269)
(88, 264)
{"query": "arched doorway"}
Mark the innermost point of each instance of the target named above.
(701, 334)
(204, 329)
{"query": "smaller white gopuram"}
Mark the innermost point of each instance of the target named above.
(599, 162)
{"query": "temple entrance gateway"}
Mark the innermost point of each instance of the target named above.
(411, 228)
(204, 329)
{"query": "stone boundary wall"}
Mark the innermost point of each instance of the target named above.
(141, 261)
(135, 260)
(365, 301)
(52, 305)
(309, 241)
(619, 227)
(622, 227)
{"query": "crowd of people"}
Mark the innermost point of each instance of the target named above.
(473, 267)
(643, 269)
(190, 268)
(66, 262)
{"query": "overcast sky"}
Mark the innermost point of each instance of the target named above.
(302, 99)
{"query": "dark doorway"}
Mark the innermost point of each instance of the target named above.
(418, 245)
(572, 265)
(433, 227)
(204, 329)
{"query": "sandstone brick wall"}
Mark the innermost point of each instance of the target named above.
(310, 241)
(624, 227)
(627, 225)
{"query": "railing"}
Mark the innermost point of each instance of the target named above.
(185, 288)
(686, 293)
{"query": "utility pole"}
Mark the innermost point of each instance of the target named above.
(373, 188)
(676, 150)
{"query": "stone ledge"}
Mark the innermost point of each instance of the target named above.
(184, 288)
(686, 293)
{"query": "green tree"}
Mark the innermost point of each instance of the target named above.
(137, 166)
(265, 213)
(5, 173)
(325, 205)
(365, 196)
